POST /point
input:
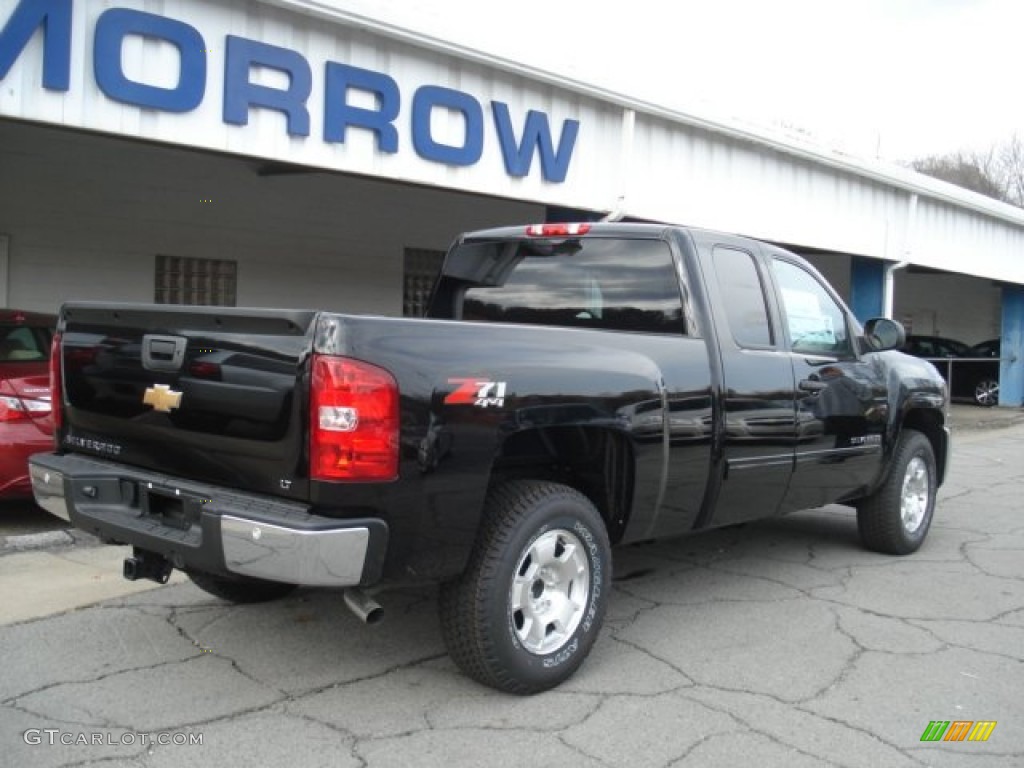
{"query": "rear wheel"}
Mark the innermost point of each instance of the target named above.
(986, 392)
(896, 518)
(527, 610)
(239, 589)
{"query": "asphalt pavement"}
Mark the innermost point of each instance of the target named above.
(779, 643)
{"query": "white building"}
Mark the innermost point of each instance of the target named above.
(286, 153)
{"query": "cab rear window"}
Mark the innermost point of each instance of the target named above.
(587, 282)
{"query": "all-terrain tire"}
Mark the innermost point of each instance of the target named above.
(527, 610)
(895, 519)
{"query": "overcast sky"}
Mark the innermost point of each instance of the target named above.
(897, 79)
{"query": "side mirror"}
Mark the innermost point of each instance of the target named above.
(881, 333)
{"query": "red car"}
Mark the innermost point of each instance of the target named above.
(26, 420)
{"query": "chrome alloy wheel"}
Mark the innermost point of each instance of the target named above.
(914, 496)
(986, 392)
(549, 591)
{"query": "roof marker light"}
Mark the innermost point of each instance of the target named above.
(557, 230)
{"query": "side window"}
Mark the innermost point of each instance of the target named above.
(815, 321)
(922, 348)
(952, 349)
(743, 293)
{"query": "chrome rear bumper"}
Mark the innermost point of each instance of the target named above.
(326, 558)
(48, 488)
(212, 529)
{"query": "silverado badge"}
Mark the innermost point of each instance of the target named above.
(162, 398)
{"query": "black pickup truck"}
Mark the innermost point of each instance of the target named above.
(575, 386)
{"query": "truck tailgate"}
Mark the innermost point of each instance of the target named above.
(208, 393)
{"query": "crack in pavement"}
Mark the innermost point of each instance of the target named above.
(597, 698)
(112, 725)
(843, 674)
(63, 720)
(297, 698)
(836, 680)
(970, 559)
(853, 619)
(569, 745)
(647, 652)
(234, 662)
(226, 611)
(766, 734)
(12, 701)
(138, 759)
(607, 701)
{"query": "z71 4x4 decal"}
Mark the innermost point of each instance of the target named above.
(477, 392)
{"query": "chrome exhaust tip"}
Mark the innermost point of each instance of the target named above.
(366, 609)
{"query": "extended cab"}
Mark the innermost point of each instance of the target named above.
(576, 386)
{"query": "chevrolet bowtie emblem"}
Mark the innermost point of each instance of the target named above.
(162, 398)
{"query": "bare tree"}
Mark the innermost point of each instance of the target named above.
(997, 172)
(1011, 170)
(970, 170)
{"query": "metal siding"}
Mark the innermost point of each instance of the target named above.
(966, 241)
(678, 168)
(84, 106)
(720, 183)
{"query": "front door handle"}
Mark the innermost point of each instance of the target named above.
(812, 385)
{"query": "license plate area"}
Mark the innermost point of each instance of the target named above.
(171, 508)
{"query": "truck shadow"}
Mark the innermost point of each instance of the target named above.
(310, 641)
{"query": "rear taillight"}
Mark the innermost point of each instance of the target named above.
(557, 230)
(353, 421)
(56, 391)
(22, 408)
